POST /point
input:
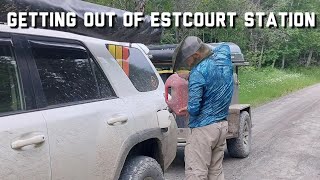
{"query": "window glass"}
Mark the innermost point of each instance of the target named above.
(10, 89)
(66, 74)
(104, 85)
(136, 66)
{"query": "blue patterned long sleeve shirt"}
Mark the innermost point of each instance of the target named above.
(211, 88)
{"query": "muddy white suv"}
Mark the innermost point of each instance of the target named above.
(74, 107)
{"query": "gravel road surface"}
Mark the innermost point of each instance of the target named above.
(286, 142)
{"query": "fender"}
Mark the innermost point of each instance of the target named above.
(234, 117)
(154, 133)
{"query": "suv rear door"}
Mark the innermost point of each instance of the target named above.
(147, 98)
(24, 146)
(85, 118)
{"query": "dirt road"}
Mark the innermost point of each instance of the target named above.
(286, 142)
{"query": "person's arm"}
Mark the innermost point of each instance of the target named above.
(196, 86)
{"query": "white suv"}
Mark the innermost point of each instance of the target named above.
(75, 107)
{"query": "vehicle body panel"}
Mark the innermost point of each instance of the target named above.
(29, 162)
(82, 143)
(81, 140)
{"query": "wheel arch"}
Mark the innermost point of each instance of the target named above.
(235, 111)
(135, 145)
(239, 146)
(247, 109)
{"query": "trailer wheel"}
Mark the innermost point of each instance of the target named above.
(240, 147)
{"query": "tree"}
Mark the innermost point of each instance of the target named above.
(140, 5)
(275, 47)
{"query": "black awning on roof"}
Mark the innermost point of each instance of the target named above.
(161, 55)
(144, 34)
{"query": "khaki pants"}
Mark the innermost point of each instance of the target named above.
(204, 152)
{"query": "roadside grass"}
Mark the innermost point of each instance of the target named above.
(258, 86)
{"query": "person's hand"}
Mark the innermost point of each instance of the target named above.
(183, 110)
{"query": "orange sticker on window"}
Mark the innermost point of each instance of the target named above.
(121, 54)
(125, 65)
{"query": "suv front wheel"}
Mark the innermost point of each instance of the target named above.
(141, 168)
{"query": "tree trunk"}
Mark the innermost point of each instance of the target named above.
(302, 59)
(140, 5)
(309, 58)
(273, 63)
(251, 40)
(283, 62)
(255, 46)
(261, 56)
(203, 36)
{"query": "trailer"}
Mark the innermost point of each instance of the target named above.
(239, 118)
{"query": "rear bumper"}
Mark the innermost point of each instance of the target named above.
(233, 121)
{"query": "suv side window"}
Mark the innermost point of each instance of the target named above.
(136, 66)
(104, 85)
(10, 87)
(68, 74)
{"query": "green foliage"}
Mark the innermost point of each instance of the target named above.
(275, 47)
(258, 86)
(120, 4)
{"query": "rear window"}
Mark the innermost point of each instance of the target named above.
(136, 66)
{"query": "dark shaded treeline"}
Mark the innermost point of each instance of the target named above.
(275, 47)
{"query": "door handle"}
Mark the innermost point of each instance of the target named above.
(119, 119)
(26, 142)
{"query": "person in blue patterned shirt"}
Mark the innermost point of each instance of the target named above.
(210, 94)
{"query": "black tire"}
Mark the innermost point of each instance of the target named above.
(141, 168)
(240, 147)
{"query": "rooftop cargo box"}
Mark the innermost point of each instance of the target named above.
(161, 55)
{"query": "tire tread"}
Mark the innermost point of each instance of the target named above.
(235, 146)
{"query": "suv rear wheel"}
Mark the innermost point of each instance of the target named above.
(141, 168)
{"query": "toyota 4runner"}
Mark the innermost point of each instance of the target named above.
(75, 107)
